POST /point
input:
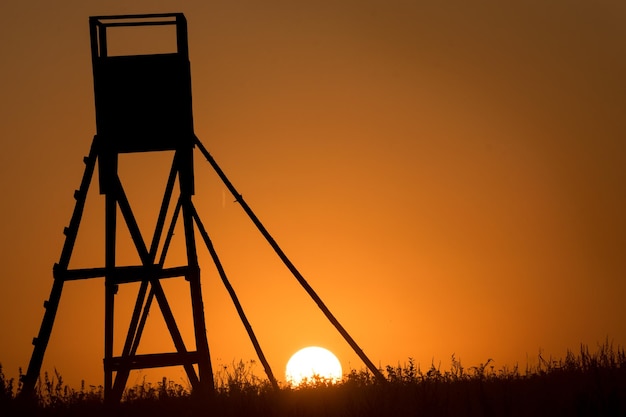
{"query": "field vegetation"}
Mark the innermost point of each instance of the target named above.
(583, 383)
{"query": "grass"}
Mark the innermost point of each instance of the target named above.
(581, 384)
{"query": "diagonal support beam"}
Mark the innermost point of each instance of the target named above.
(307, 287)
(157, 289)
(131, 222)
(167, 196)
(138, 319)
(235, 299)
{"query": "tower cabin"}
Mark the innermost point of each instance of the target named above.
(143, 101)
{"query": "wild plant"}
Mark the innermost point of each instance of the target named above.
(7, 387)
(582, 383)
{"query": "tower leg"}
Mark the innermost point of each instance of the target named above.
(205, 371)
(41, 341)
(29, 380)
(133, 336)
(110, 289)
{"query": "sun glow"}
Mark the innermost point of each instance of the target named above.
(310, 363)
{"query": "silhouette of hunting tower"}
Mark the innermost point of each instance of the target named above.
(143, 104)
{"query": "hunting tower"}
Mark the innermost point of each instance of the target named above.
(143, 104)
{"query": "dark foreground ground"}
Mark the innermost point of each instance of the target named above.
(582, 384)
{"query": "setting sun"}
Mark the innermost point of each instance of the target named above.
(312, 362)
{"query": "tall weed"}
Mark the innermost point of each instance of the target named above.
(584, 383)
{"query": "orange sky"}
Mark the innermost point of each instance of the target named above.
(449, 178)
